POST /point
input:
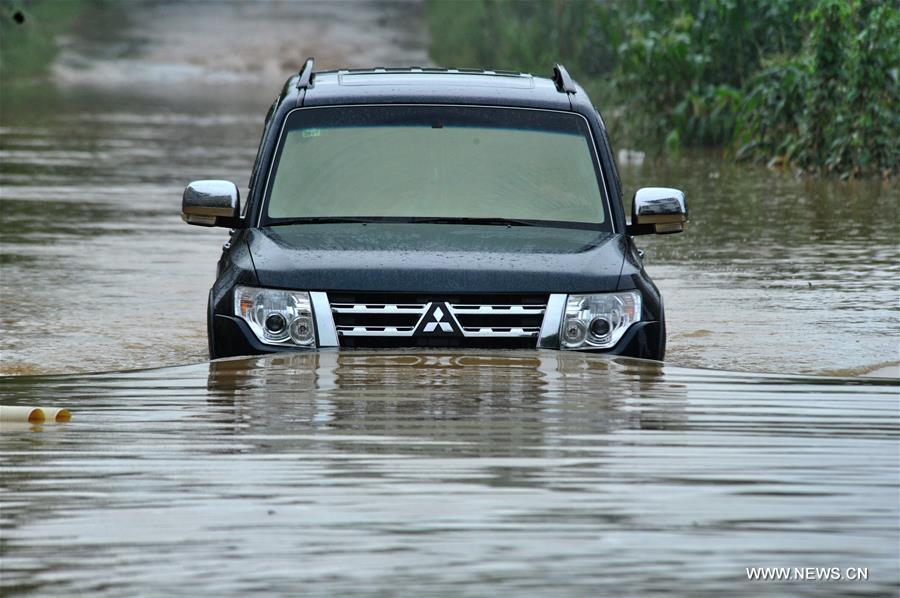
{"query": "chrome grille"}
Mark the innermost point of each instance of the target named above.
(377, 319)
(495, 316)
(453, 320)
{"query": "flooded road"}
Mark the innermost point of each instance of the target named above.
(463, 473)
(449, 473)
(774, 273)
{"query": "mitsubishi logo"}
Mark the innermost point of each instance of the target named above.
(438, 321)
(438, 315)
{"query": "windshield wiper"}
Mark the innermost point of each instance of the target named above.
(324, 220)
(464, 220)
(411, 219)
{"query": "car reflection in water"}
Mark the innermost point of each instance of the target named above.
(492, 398)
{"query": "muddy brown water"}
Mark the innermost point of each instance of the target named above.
(472, 473)
(489, 473)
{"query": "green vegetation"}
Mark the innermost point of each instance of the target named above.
(834, 105)
(811, 84)
(28, 35)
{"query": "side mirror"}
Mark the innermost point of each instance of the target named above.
(659, 210)
(211, 203)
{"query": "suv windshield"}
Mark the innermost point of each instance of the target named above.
(445, 163)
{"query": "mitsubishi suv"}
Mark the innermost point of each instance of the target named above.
(431, 207)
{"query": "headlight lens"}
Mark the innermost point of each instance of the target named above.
(598, 321)
(276, 317)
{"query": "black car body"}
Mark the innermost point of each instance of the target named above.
(433, 208)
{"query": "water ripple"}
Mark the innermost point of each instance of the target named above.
(466, 473)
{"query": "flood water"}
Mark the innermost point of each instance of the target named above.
(472, 473)
(484, 473)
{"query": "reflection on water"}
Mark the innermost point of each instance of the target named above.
(484, 473)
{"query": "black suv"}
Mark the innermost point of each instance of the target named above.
(426, 207)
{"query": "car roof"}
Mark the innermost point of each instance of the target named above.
(437, 85)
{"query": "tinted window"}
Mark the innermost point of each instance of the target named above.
(436, 161)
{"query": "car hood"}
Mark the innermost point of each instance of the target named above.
(435, 258)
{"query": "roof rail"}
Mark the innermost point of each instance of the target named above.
(562, 79)
(306, 73)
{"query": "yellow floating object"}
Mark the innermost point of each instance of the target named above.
(53, 414)
(33, 415)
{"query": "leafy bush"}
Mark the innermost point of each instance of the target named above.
(834, 106)
(811, 83)
(682, 64)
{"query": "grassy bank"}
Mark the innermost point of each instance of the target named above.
(808, 84)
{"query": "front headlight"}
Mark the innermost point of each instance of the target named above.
(276, 317)
(598, 321)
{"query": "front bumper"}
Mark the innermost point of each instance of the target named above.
(231, 337)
